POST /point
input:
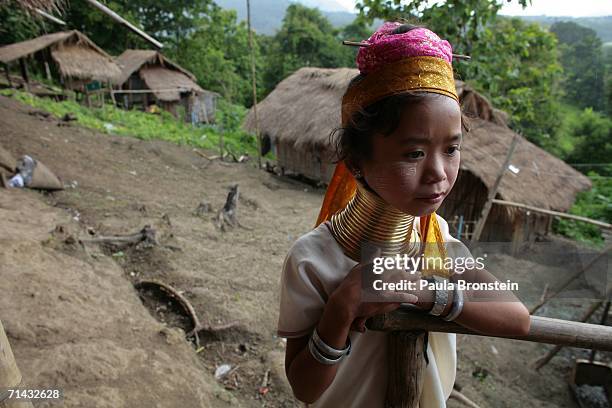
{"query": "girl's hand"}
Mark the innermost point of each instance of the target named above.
(356, 298)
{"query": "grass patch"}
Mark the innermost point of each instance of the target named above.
(147, 126)
(596, 204)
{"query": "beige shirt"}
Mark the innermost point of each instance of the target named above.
(314, 267)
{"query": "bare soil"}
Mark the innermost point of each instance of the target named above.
(76, 321)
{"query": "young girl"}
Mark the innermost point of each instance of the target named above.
(399, 145)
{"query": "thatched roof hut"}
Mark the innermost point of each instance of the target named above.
(299, 115)
(75, 55)
(164, 77)
(169, 83)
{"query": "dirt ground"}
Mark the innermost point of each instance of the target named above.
(76, 322)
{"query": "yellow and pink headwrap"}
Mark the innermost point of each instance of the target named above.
(392, 63)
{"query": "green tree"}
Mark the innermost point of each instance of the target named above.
(516, 64)
(112, 37)
(461, 22)
(358, 30)
(583, 64)
(596, 204)
(592, 132)
(169, 21)
(306, 38)
(16, 25)
(607, 50)
(218, 54)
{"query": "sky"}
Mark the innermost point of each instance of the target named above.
(574, 8)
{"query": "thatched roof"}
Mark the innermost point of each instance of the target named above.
(168, 84)
(47, 5)
(543, 180)
(305, 108)
(75, 54)
(158, 72)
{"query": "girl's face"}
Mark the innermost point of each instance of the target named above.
(415, 167)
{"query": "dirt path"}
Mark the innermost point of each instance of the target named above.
(76, 321)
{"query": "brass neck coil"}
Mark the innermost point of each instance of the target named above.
(369, 220)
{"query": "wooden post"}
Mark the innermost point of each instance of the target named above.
(604, 318)
(8, 75)
(48, 71)
(87, 96)
(145, 101)
(129, 95)
(253, 74)
(10, 376)
(72, 94)
(24, 74)
(460, 227)
(492, 192)
(405, 366)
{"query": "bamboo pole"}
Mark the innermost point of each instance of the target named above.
(148, 91)
(542, 330)
(126, 23)
(542, 361)
(554, 213)
(50, 17)
(493, 191)
(254, 76)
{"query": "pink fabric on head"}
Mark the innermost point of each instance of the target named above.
(385, 47)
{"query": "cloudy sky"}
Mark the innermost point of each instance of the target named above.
(575, 8)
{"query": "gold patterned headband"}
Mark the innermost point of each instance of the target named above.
(426, 74)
